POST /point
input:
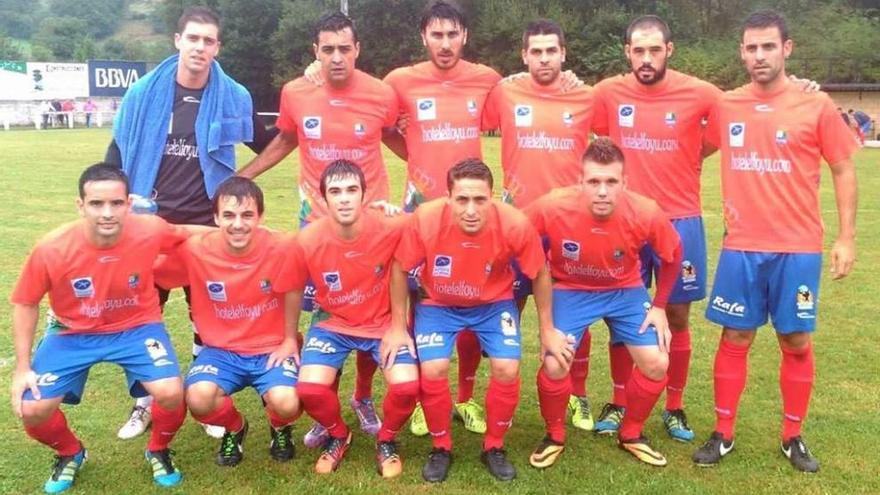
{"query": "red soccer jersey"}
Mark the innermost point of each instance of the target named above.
(336, 124)
(351, 277)
(591, 254)
(94, 290)
(235, 304)
(458, 269)
(660, 130)
(771, 147)
(544, 133)
(444, 110)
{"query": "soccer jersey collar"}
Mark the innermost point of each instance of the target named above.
(762, 94)
(652, 89)
(447, 75)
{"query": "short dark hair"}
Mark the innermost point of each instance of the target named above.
(604, 152)
(239, 188)
(442, 9)
(334, 22)
(469, 168)
(649, 22)
(542, 26)
(340, 169)
(98, 172)
(200, 14)
(765, 19)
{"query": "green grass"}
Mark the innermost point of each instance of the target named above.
(37, 193)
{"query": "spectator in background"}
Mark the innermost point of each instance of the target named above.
(844, 116)
(56, 107)
(89, 108)
(46, 112)
(67, 107)
(861, 122)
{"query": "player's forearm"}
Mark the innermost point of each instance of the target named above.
(399, 296)
(275, 151)
(395, 142)
(24, 325)
(666, 278)
(292, 309)
(542, 288)
(846, 194)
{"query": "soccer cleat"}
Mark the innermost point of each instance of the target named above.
(334, 452)
(581, 417)
(609, 419)
(677, 425)
(366, 413)
(165, 474)
(213, 431)
(418, 426)
(137, 423)
(231, 451)
(799, 455)
(64, 471)
(496, 461)
(641, 449)
(316, 436)
(388, 461)
(437, 467)
(472, 415)
(711, 452)
(281, 446)
(546, 453)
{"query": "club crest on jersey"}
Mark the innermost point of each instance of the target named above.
(781, 136)
(567, 118)
(359, 130)
(134, 280)
(442, 266)
(83, 287)
(332, 281)
(265, 285)
(472, 107)
(805, 301)
(737, 134)
(688, 272)
(312, 127)
(426, 109)
(571, 250)
(522, 115)
(617, 254)
(216, 290)
(669, 118)
(626, 115)
(508, 324)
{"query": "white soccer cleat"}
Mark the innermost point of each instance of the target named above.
(137, 423)
(214, 431)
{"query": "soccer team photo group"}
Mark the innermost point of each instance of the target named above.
(478, 263)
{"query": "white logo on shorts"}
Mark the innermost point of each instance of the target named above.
(508, 324)
(730, 308)
(206, 369)
(155, 348)
(46, 380)
(317, 345)
(430, 340)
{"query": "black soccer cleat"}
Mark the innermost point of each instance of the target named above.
(281, 447)
(711, 452)
(496, 461)
(799, 455)
(437, 467)
(231, 451)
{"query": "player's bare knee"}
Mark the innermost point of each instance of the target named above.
(35, 412)
(504, 370)
(794, 340)
(738, 337)
(678, 314)
(435, 369)
(655, 366)
(284, 401)
(553, 369)
(201, 397)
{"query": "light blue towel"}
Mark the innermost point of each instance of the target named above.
(140, 128)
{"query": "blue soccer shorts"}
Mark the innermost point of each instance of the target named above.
(495, 324)
(624, 311)
(328, 348)
(232, 371)
(690, 285)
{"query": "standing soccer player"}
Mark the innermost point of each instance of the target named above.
(463, 247)
(594, 233)
(443, 99)
(98, 272)
(349, 254)
(162, 140)
(233, 273)
(544, 133)
(772, 138)
(655, 115)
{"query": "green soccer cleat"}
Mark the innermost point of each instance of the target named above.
(581, 417)
(472, 415)
(64, 471)
(677, 427)
(417, 424)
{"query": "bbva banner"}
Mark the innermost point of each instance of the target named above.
(113, 77)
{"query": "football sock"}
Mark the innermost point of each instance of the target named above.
(553, 400)
(366, 368)
(166, 423)
(322, 404)
(437, 404)
(641, 395)
(400, 400)
(580, 367)
(501, 401)
(226, 415)
(277, 421)
(731, 370)
(679, 364)
(796, 375)
(55, 434)
(469, 355)
(621, 364)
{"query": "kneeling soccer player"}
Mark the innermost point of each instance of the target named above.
(232, 273)
(595, 231)
(349, 254)
(98, 272)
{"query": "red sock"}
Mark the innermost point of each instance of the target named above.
(277, 421)
(796, 375)
(621, 368)
(553, 399)
(437, 404)
(501, 401)
(641, 395)
(366, 368)
(226, 416)
(731, 369)
(580, 367)
(322, 404)
(469, 355)
(166, 422)
(54, 433)
(400, 400)
(679, 364)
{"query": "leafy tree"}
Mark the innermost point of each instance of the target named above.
(61, 35)
(9, 49)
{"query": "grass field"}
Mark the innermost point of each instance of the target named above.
(37, 193)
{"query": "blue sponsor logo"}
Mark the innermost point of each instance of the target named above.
(425, 105)
(82, 284)
(736, 130)
(83, 287)
(523, 111)
(442, 266)
(216, 291)
(312, 123)
(626, 111)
